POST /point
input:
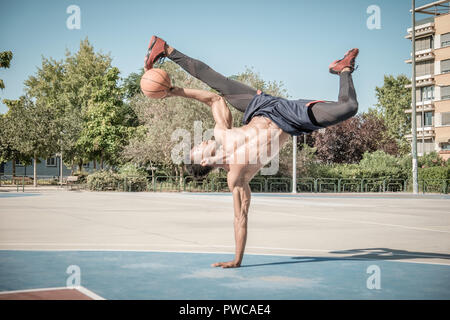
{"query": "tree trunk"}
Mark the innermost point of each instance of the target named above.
(101, 161)
(35, 171)
(95, 164)
(14, 167)
(181, 176)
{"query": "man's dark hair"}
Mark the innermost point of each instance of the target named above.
(198, 171)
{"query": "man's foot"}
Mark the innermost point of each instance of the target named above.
(348, 61)
(156, 50)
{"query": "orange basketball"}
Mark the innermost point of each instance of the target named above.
(155, 83)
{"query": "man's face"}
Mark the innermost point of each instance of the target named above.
(203, 150)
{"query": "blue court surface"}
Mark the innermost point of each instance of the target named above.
(175, 275)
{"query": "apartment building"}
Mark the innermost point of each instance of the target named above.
(432, 80)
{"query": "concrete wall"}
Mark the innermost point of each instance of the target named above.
(442, 23)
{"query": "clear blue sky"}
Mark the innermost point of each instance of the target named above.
(291, 41)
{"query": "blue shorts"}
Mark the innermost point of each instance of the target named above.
(291, 116)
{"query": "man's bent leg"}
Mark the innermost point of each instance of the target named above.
(236, 93)
(329, 113)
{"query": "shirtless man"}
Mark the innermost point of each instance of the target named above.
(267, 123)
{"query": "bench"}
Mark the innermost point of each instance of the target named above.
(21, 180)
(71, 180)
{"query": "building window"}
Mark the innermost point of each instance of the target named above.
(445, 146)
(18, 163)
(50, 162)
(425, 146)
(445, 39)
(428, 118)
(427, 93)
(445, 120)
(445, 92)
(424, 68)
(424, 43)
(445, 66)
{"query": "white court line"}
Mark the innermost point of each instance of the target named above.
(355, 221)
(335, 256)
(83, 290)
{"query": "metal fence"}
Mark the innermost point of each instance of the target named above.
(258, 184)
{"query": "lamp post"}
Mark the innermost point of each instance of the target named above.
(294, 164)
(413, 98)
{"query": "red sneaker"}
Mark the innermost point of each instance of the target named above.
(347, 62)
(156, 51)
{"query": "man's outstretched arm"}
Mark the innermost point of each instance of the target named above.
(241, 200)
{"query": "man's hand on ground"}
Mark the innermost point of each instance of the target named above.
(231, 264)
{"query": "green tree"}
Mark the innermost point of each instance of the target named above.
(106, 129)
(71, 89)
(132, 84)
(9, 126)
(5, 60)
(31, 130)
(393, 99)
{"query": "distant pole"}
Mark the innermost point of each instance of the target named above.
(294, 164)
(61, 168)
(413, 107)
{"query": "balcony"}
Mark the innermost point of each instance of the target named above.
(422, 55)
(425, 132)
(426, 105)
(422, 81)
(423, 28)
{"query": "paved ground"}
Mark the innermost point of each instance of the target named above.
(177, 235)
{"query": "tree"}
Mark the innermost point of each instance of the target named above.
(106, 129)
(5, 60)
(31, 131)
(72, 90)
(8, 134)
(347, 141)
(393, 99)
(132, 84)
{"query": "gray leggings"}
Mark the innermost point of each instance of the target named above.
(239, 95)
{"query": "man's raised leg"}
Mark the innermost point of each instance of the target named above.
(236, 93)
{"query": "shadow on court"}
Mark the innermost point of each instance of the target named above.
(374, 254)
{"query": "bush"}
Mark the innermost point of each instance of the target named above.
(376, 164)
(434, 173)
(82, 176)
(129, 178)
(134, 178)
(431, 159)
(103, 180)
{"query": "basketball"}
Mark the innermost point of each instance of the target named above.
(155, 83)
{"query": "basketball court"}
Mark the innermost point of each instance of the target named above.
(113, 245)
